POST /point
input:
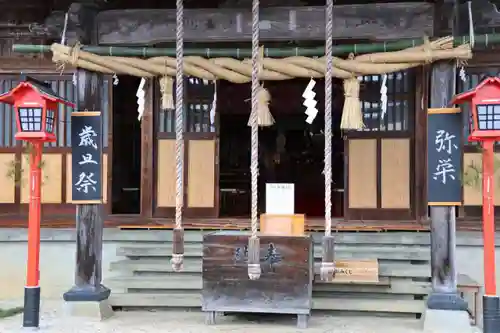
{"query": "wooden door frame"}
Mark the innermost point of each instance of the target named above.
(191, 212)
(109, 149)
(378, 213)
(422, 82)
(150, 138)
(148, 154)
(414, 134)
(199, 212)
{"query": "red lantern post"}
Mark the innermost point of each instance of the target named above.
(35, 107)
(485, 128)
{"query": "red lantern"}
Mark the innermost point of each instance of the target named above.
(485, 128)
(485, 106)
(35, 105)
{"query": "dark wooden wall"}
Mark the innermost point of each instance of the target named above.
(230, 20)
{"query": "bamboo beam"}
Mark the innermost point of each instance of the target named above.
(481, 42)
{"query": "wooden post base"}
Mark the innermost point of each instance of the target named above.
(87, 294)
(446, 301)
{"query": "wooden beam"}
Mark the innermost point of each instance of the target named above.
(368, 21)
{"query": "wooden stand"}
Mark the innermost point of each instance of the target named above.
(282, 225)
(285, 286)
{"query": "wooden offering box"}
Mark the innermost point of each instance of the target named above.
(285, 285)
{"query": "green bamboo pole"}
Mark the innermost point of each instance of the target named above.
(481, 41)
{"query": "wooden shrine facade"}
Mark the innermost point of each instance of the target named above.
(385, 165)
(14, 167)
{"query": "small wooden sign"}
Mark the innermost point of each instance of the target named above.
(280, 198)
(86, 157)
(444, 157)
(356, 271)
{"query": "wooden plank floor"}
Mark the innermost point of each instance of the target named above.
(312, 224)
(137, 222)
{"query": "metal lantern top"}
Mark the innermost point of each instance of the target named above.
(485, 107)
(36, 106)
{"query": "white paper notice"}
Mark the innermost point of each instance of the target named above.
(280, 198)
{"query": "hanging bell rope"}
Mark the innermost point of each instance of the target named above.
(327, 269)
(254, 269)
(178, 232)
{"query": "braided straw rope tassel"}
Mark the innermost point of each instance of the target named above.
(254, 241)
(352, 116)
(264, 116)
(178, 232)
(327, 270)
(166, 89)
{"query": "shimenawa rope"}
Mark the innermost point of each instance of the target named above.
(273, 69)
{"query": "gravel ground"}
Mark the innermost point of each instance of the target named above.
(54, 320)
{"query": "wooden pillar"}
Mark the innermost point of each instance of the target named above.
(444, 294)
(420, 154)
(89, 217)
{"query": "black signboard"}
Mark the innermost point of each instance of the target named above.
(444, 157)
(86, 157)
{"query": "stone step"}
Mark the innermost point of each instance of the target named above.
(416, 253)
(193, 265)
(193, 300)
(193, 281)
